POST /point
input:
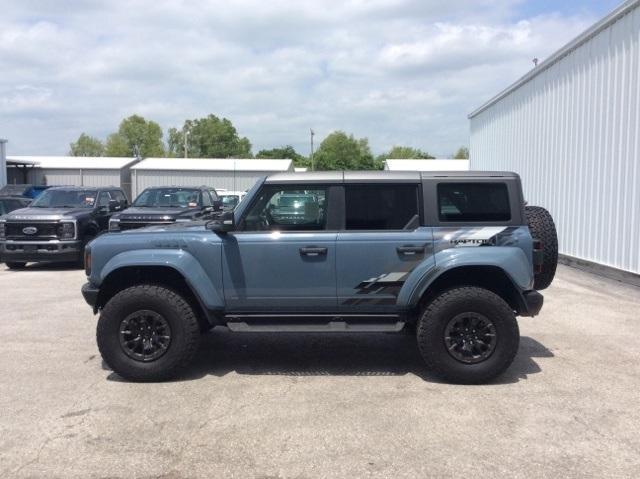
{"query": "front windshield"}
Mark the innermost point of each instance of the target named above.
(168, 198)
(65, 199)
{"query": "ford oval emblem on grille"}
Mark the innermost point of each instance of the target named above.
(30, 230)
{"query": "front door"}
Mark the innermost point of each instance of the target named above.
(382, 242)
(282, 258)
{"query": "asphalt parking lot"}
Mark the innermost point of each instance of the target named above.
(304, 406)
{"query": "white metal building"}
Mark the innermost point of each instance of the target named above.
(3, 162)
(571, 129)
(223, 173)
(72, 170)
(426, 165)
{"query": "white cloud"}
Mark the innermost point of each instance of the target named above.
(396, 71)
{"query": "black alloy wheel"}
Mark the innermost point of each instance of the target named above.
(470, 337)
(145, 335)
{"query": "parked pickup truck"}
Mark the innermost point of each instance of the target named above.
(58, 224)
(454, 256)
(166, 205)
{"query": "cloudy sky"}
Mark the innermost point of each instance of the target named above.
(396, 71)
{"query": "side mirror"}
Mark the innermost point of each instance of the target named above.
(114, 205)
(223, 224)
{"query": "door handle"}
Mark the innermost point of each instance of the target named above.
(410, 250)
(313, 251)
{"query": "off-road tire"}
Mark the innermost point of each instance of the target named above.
(543, 228)
(16, 264)
(469, 299)
(185, 333)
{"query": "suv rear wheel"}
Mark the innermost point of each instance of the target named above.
(468, 335)
(148, 333)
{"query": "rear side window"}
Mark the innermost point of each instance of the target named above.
(473, 202)
(381, 207)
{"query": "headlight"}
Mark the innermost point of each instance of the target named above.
(114, 224)
(66, 230)
(3, 229)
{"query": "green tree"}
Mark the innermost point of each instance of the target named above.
(340, 151)
(404, 152)
(209, 137)
(117, 146)
(285, 152)
(462, 153)
(86, 145)
(136, 136)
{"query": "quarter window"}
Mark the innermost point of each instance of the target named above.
(473, 202)
(284, 209)
(381, 207)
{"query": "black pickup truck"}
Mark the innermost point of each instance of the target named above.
(167, 204)
(58, 224)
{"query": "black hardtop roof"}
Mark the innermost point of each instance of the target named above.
(180, 187)
(83, 188)
(379, 176)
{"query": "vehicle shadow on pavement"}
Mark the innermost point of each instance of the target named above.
(42, 267)
(294, 354)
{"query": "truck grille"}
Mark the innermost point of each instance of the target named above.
(42, 230)
(132, 225)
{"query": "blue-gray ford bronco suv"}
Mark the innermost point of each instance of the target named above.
(453, 256)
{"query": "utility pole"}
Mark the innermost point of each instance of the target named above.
(186, 145)
(312, 164)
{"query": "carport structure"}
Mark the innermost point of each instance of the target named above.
(71, 170)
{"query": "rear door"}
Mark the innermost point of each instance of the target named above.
(282, 258)
(381, 243)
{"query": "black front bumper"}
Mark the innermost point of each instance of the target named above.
(54, 251)
(532, 301)
(90, 294)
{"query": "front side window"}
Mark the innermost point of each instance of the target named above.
(230, 201)
(284, 209)
(473, 202)
(65, 199)
(381, 207)
(168, 198)
(118, 196)
(103, 199)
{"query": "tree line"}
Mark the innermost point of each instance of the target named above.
(213, 137)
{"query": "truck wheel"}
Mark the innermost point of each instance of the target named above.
(543, 228)
(468, 335)
(16, 264)
(147, 333)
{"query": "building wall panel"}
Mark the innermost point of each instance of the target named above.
(75, 177)
(573, 134)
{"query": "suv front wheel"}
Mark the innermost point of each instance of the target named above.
(468, 335)
(148, 333)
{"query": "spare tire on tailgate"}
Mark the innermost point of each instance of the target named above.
(543, 229)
